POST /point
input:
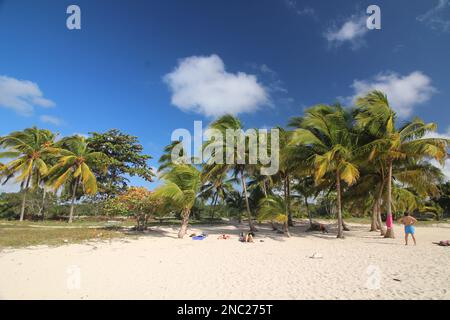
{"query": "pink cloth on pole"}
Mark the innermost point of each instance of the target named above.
(389, 221)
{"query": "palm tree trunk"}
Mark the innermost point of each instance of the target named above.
(74, 195)
(288, 202)
(184, 223)
(24, 198)
(339, 205)
(378, 203)
(308, 211)
(286, 223)
(41, 209)
(389, 221)
(379, 221)
(249, 213)
(264, 189)
(374, 220)
(213, 208)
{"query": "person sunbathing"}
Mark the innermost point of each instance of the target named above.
(247, 238)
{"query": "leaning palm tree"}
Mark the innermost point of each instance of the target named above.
(74, 169)
(327, 131)
(391, 144)
(181, 186)
(274, 208)
(29, 148)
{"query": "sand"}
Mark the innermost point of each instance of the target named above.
(160, 266)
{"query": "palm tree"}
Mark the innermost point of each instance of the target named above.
(74, 168)
(391, 144)
(327, 131)
(288, 163)
(274, 208)
(306, 188)
(216, 187)
(181, 185)
(166, 162)
(239, 170)
(30, 148)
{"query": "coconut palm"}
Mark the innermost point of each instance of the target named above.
(305, 188)
(215, 187)
(181, 186)
(391, 144)
(74, 169)
(29, 149)
(327, 131)
(274, 208)
(239, 169)
(166, 162)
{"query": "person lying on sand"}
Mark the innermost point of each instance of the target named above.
(408, 222)
(247, 238)
(443, 243)
(224, 237)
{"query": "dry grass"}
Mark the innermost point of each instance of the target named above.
(22, 234)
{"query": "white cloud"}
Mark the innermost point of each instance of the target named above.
(21, 96)
(404, 92)
(305, 11)
(446, 168)
(352, 31)
(51, 120)
(202, 85)
(438, 17)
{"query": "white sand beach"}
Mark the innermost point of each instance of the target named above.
(159, 266)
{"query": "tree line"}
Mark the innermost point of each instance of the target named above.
(357, 160)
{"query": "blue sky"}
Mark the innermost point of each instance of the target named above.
(149, 67)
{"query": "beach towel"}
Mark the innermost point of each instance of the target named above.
(200, 237)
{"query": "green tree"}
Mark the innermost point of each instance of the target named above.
(327, 131)
(181, 186)
(239, 167)
(392, 144)
(215, 187)
(29, 149)
(176, 149)
(274, 208)
(74, 168)
(126, 158)
(139, 203)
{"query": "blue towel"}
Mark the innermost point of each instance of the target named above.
(201, 237)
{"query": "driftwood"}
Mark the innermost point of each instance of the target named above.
(316, 226)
